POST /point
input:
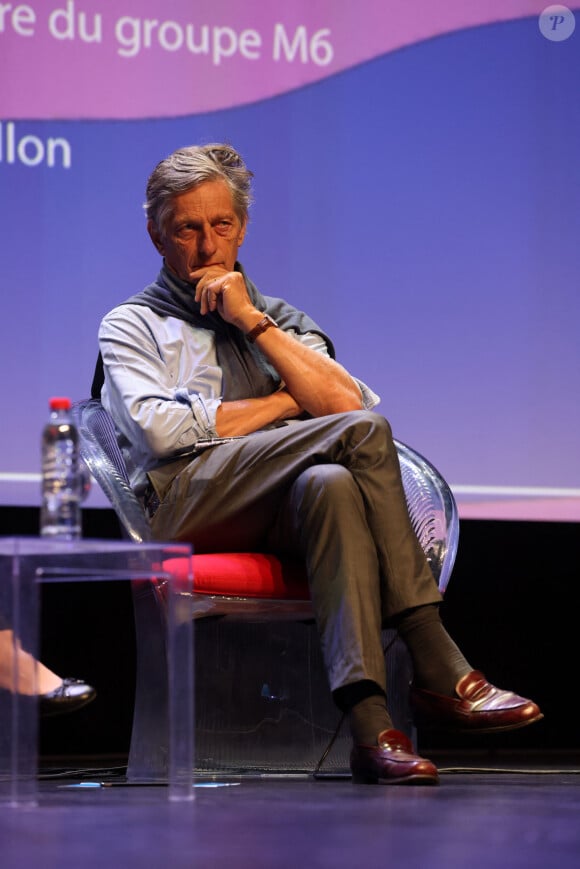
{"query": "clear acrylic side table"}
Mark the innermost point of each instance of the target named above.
(27, 561)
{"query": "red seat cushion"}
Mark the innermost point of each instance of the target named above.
(245, 574)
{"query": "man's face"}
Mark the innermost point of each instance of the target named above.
(201, 231)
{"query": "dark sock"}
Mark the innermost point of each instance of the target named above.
(438, 663)
(369, 718)
(365, 704)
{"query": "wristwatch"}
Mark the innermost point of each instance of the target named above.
(260, 327)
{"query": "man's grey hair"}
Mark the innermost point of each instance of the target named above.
(188, 167)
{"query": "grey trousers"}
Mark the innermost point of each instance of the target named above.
(327, 490)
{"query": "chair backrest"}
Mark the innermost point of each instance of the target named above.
(433, 512)
(431, 504)
(101, 454)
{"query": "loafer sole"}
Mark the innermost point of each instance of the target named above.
(417, 779)
(459, 727)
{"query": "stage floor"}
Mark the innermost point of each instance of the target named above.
(480, 817)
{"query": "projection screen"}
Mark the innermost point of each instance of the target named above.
(417, 182)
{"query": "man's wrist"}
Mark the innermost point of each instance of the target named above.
(265, 322)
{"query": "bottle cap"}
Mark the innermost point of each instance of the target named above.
(59, 403)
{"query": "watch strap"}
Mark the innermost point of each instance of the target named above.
(260, 327)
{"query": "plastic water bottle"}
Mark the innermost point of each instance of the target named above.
(62, 475)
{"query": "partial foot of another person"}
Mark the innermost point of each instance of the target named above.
(20, 672)
(71, 694)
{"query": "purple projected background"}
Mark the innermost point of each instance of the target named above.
(422, 205)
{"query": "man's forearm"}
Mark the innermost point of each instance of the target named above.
(318, 384)
(248, 415)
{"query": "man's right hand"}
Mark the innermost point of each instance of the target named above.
(225, 292)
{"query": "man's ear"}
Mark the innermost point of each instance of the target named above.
(156, 236)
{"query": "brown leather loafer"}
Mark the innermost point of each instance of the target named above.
(479, 707)
(391, 762)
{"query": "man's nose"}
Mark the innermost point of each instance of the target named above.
(207, 241)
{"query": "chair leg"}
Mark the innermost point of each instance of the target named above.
(263, 702)
(148, 755)
(262, 699)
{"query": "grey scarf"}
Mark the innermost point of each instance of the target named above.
(246, 371)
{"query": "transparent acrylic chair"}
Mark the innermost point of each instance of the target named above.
(262, 700)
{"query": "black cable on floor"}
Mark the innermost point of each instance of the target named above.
(102, 772)
(494, 770)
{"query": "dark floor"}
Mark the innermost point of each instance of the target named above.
(507, 816)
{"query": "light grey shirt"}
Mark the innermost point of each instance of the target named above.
(163, 385)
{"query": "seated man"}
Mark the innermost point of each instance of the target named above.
(310, 469)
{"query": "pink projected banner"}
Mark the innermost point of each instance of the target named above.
(93, 59)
